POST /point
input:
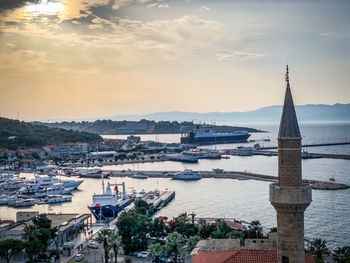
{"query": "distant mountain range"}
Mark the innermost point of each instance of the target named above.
(306, 113)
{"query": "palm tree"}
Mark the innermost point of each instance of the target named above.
(318, 248)
(115, 241)
(156, 251)
(102, 237)
(174, 243)
(342, 255)
(30, 238)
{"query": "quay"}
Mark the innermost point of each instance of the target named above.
(311, 145)
(158, 199)
(316, 184)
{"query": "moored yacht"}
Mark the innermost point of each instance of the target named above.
(187, 175)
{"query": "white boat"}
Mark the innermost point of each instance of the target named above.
(183, 158)
(187, 175)
(40, 183)
(52, 199)
(139, 176)
(24, 203)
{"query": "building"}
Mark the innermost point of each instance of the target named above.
(290, 196)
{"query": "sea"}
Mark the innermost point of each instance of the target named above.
(327, 217)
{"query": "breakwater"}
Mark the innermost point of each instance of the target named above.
(316, 184)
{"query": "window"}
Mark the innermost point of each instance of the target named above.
(285, 259)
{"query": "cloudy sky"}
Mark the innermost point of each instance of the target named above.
(98, 58)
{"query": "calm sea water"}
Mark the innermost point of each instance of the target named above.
(327, 217)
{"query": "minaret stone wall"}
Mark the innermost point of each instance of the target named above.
(290, 197)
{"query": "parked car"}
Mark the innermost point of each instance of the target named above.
(78, 257)
(93, 244)
(142, 254)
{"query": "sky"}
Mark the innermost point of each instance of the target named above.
(71, 59)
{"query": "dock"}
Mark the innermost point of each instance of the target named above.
(316, 184)
(158, 199)
(310, 145)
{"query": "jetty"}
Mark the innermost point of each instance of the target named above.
(158, 199)
(310, 145)
(316, 184)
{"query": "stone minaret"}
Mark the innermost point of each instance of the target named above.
(290, 196)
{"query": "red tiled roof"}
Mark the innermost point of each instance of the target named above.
(234, 224)
(242, 256)
(28, 161)
(51, 146)
(214, 256)
(69, 143)
(24, 152)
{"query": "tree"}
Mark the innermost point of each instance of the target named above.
(192, 242)
(222, 229)
(115, 241)
(181, 225)
(41, 221)
(10, 247)
(206, 230)
(32, 243)
(156, 251)
(134, 230)
(318, 248)
(157, 228)
(273, 230)
(102, 237)
(142, 207)
(174, 243)
(341, 255)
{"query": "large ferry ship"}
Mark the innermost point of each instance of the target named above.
(206, 135)
(107, 205)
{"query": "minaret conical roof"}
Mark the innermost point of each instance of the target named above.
(289, 128)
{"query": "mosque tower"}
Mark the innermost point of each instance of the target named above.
(290, 196)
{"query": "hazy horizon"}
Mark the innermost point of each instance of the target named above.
(93, 59)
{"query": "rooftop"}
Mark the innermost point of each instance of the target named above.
(242, 256)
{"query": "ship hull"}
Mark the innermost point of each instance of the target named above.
(108, 212)
(220, 139)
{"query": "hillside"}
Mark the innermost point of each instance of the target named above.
(306, 113)
(15, 134)
(139, 127)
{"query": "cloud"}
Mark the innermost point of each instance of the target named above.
(158, 5)
(234, 55)
(204, 8)
(327, 34)
(92, 43)
(13, 4)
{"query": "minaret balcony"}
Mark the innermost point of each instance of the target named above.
(284, 195)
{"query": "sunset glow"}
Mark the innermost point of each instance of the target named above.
(99, 58)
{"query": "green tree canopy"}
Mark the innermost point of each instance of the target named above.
(318, 248)
(134, 230)
(341, 254)
(175, 241)
(10, 247)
